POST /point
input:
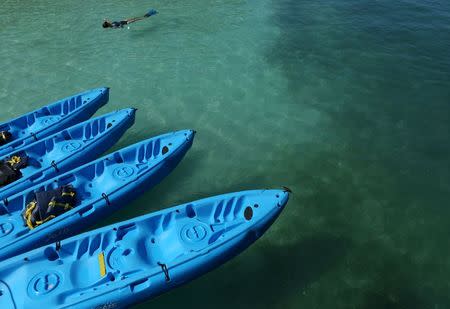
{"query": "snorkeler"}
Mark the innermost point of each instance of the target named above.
(120, 24)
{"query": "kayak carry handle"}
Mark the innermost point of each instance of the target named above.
(105, 196)
(34, 136)
(165, 271)
(55, 166)
(286, 189)
(4, 206)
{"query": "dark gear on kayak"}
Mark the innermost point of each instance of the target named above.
(48, 205)
(5, 137)
(10, 169)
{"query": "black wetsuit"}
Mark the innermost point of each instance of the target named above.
(119, 24)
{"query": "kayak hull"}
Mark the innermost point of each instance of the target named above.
(136, 260)
(52, 118)
(68, 149)
(102, 186)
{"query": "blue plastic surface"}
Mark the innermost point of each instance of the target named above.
(120, 177)
(68, 149)
(138, 259)
(52, 118)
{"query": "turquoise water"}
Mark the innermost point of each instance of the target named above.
(346, 102)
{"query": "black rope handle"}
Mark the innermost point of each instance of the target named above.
(34, 136)
(165, 271)
(55, 166)
(5, 205)
(105, 196)
(58, 245)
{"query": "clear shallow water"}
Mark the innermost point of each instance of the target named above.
(346, 102)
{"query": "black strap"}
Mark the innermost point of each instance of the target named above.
(55, 166)
(165, 271)
(34, 136)
(105, 196)
(8, 174)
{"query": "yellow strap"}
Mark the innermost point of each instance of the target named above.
(28, 212)
(45, 220)
(101, 262)
(65, 205)
(14, 160)
(68, 193)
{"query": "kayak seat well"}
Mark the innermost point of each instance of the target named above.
(49, 115)
(41, 123)
(104, 258)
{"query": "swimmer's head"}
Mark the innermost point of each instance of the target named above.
(106, 24)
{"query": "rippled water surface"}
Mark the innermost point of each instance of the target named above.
(345, 102)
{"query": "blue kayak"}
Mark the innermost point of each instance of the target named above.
(61, 152)
(131, 261)
(38, 124)
(100, 187)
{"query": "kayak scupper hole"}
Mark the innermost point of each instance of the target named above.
(114, 120)
(152, 240)
(111, 277)
(256, 205)
(177, 211)
(90, 185)
(165, 150)
(51, 254)
(190, 211)
(277, 195)
(66, 135)
(109, 125)
(118, 158)
(170, 144)
(126, 252)
(248, 213)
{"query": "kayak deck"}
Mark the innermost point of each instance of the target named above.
(101, 186)
(54, 117)
(68, 149)
(140, 258)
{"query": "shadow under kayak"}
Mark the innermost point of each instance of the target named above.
(51, 118)
(101, 186)
(67, 149)
(138, 259)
